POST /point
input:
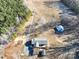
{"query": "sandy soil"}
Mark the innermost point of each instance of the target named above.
(41, 10)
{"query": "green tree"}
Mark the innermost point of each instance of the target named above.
(9, 9)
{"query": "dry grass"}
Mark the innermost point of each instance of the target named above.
(42, 10)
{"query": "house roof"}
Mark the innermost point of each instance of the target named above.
(40, 41)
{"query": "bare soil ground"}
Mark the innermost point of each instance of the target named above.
(47, 10)
(41, 10)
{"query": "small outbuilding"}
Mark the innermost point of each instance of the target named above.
(33, 46)
(38, 42)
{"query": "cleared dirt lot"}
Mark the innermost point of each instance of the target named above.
(43, 13)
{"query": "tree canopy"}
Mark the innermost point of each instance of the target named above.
(9, 9)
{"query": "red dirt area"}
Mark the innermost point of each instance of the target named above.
(13, 50)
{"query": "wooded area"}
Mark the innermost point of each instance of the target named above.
(9, 10)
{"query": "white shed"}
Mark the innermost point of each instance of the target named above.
(39, 42)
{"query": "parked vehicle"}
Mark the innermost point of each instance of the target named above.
(59, 29)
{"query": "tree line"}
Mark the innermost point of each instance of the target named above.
(9, 10)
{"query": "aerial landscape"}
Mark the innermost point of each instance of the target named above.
(39, 29)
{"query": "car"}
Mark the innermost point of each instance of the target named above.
(59, 29)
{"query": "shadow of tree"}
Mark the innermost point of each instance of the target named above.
(57, 51)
